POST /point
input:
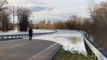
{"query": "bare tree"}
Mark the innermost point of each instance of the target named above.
(59, 25)
(99, 15)
(4, 15)
(23, 18)
(74, 22)
(99, 28)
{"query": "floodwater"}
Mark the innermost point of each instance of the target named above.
(70, 40)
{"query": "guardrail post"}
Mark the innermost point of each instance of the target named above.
(2, 37)
(88, 50)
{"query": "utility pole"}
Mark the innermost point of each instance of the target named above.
(13, 16)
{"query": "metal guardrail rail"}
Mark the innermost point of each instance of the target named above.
(2, 37)
(98, 52)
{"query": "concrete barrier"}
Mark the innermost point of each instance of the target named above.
(48, 53)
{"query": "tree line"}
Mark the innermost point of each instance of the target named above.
(22, 13)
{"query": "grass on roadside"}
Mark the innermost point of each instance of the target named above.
(66, 55)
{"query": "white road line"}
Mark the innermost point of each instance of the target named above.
(33, 57)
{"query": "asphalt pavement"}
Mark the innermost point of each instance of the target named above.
(28, 50)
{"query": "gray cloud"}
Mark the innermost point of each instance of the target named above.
(38, 8)
(49, 9)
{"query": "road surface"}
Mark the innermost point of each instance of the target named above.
(27, 50)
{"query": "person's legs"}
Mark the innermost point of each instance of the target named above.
(29, 37)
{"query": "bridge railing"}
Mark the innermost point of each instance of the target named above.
(14, 36)
(96, 50)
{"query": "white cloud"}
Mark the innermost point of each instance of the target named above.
(55, 13)
(25, 3)
(55, 9)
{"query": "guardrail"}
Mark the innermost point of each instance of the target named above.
(2, 37)
(95, 50)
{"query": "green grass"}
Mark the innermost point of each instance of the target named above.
(66, 55)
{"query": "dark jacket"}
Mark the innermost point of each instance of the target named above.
(30, 32)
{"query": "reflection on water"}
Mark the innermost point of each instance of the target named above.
(73, 44)
(75, 40)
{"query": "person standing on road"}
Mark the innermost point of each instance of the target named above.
(30, 33)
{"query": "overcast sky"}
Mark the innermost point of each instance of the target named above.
(54, 9)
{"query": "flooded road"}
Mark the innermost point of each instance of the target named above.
(71, 40)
